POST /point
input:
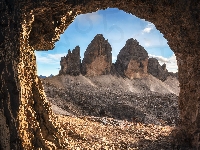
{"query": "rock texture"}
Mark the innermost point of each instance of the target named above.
(97, 57)
(149, 100)
(71, 64)
(132, 60)
(158, 71)
(26, 26)
(155, 69)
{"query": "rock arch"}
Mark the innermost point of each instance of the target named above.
(26, 118)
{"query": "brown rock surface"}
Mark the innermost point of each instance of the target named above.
(71, 64)
(97, 57)
(132, 60)
(26, 26)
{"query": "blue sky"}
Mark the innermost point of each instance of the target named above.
(117, 26)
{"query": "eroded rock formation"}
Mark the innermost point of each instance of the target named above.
(97, 57)
(132, 60)
(71, 64)
(158, 71)
(26, 116)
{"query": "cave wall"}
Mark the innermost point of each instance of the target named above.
(26, 119)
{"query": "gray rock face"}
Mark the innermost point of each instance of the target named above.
(97, 57)
(132, 60)
(71, 64)
(158, 71)
(155, 69)
(113, 71)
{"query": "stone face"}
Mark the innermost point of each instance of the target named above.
(155, 69)
(158, 71)
(71, 64)
(114, 71)
(97, 57)
(173, 74)
(132, 60)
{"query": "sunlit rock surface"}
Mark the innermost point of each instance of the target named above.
(97, 57)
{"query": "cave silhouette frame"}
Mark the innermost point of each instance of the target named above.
(26, 119)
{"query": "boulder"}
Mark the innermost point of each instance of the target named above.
(97, 57)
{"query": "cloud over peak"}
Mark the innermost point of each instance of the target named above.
(49, 58)
(149, 27)
(171, 62)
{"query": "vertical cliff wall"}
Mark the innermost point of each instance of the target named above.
(71, 64)
(97, 57)
(132, 60)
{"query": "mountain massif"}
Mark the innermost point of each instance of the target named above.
(135, 87)
(132, 61)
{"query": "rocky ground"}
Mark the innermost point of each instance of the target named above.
(144, 100)
(145, 110)
(89, 133)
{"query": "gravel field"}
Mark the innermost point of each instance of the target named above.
(107, 112)
(146, 100)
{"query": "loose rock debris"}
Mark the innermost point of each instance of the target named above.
(103, 114)
(94, 133)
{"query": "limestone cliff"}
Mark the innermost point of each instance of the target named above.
(97, 57)
(132, 60)
(158, 71)
(71, 63)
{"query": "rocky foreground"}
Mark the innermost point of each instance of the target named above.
(89, 133)
(109, 112)
(147, 100)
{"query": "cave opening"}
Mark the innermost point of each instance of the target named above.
(38, 25)
(85, 87)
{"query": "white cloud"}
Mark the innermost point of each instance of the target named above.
(56, 56)
(147, 44)
(160, 58)
(171, 62)
(152, 41)
(149, 27)
(94, 17)
(49, 58)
